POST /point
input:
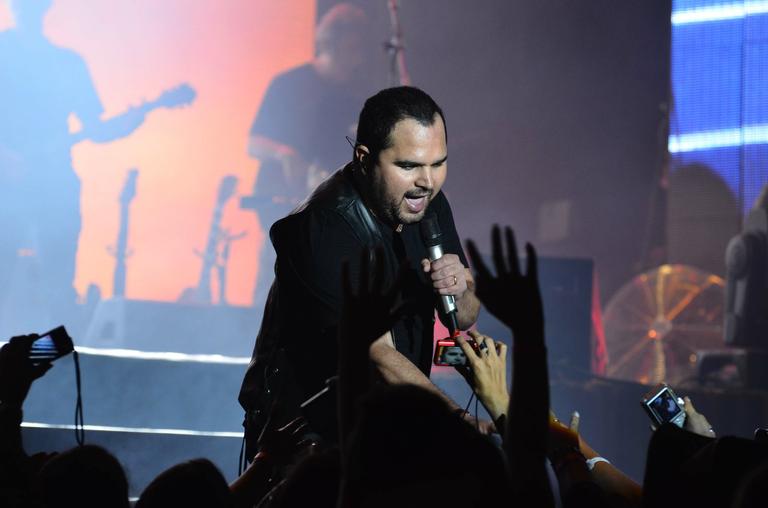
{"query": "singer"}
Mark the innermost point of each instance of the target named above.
(378, 199)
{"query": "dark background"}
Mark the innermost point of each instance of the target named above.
(550, 105)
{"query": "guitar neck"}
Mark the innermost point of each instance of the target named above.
(121, 250)
(210, 254)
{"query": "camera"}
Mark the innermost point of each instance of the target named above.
(663, 406)
(448, 353)
(51, 346)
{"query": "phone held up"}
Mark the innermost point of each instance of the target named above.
(663, 406)
(448, 353)
(50, 346)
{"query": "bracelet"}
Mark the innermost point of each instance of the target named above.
(591, 463)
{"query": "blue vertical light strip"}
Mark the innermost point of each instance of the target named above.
(720, 90)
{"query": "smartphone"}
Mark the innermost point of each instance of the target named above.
(51, 346)
(663, 406)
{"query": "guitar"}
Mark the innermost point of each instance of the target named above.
(123, 124)
(15, 165)
(201, 294)
(120, 251)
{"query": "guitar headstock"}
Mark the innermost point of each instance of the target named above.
(129, 187)
(181, 95)
(227, 188)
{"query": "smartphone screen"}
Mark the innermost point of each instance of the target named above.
(665, 407)
(448, 353)
(50, 346)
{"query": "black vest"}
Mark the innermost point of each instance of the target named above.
(269, 372)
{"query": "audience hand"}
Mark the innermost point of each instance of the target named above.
(369, 309)
(487, 373)
(368, 312)
(696, 422)
(17, 371)
(509, 295)
(563, 437)
(281, 444)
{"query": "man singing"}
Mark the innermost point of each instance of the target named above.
(399, 166)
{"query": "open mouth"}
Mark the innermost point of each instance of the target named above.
(416, 204)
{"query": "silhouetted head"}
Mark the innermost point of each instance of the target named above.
(402, 151)
(196, 483)
(409, 446)
(753, 491)
(29, 14)
(86, 476)
(339, 42)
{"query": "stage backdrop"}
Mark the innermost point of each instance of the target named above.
(557, 115)
(135, 49)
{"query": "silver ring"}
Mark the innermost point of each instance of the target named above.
(455, 280)
(483, 346)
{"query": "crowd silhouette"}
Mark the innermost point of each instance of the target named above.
(402, 445)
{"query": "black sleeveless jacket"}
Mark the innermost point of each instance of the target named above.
(282, 343)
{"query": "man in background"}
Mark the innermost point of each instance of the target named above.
(298, 133)
(43, 87)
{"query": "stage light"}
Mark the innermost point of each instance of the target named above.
(134, 430)
(719, 12)
(722, 138)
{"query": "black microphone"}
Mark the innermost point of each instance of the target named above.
(433, 240)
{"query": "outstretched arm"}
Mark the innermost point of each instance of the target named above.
(487, 374)
(395, 368)
(17, 372)
(513, 297)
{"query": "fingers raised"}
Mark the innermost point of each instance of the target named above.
(477, 261)
(514, 262)
(497, 251)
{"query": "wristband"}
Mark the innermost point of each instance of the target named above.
(591, 463)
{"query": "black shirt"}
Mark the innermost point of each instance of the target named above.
(312, 116)
(327, 240)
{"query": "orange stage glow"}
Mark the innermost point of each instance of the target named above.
(135, 49)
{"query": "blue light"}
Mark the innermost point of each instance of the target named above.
(720, 91)
(723, 138)
(719, 12)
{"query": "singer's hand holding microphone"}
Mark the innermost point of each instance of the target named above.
(449, 276)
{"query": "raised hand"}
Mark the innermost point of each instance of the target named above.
(487, 372)
(563, 438)
(695, 421)
(368, 312)
(17, 371)
(369, 308)
(512, 297)
(281, 444)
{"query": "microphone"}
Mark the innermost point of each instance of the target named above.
(433, 239)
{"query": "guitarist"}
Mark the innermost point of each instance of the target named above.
(45, 92)
(298, 133)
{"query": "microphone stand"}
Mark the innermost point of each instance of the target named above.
(398, 74)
